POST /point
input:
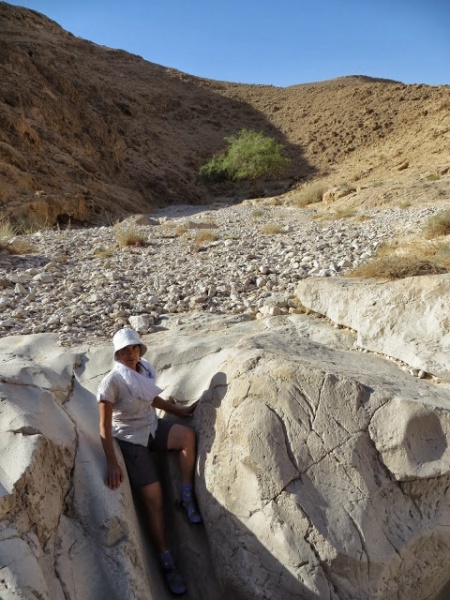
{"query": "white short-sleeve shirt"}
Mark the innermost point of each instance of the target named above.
(133, 419)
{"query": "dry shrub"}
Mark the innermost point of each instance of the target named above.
(204, 237)
(310, 194)
(407, 260)
(343, 213)
(127, 234)
(28, 224)
(168, 228)
(271, 229)
(258, 213)
(437, 226)
(181, 229)
(103, 252)
(271, 202)
(208, 223)
(9, 240)
(184, 227)
(7, 232)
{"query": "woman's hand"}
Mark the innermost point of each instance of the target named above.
(114, 475)
(186, 411)
(174, 408)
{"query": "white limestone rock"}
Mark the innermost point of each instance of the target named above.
(406, 319)
(308, 485)
(141, 323)
(295, 494)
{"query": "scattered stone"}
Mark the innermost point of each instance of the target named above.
(141, 323)
(97, 296)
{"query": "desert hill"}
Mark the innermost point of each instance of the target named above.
(90, 133)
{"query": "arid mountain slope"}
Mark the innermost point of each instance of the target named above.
(89, 133)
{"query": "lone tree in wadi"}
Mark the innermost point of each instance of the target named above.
(251, 156)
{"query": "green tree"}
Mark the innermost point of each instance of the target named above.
(251, 156)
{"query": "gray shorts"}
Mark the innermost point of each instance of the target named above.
(140, 460)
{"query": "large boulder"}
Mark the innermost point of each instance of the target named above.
(322, 473)
(63, 534)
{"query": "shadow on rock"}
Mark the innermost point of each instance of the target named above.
(245, 568)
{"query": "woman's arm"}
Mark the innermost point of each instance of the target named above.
(176, 409)
(114, 473)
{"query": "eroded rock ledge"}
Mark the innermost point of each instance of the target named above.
(408, 319)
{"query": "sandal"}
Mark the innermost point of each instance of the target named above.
(173, 577)
(190, 508)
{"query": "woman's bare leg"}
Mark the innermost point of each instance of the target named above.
(183, 439)
(153, 501)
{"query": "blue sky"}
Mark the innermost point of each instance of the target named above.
(277, 42)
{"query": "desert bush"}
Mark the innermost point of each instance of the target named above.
(9, 240)
(250, 155)
(343, 213)
(29, 224)
(127, 234)
(189, 228)
(103, 252)
(310, 194)
(272, 201)
(7, 232)
(437, 226)
(168, 228)
(214, 171)
(258, 213)
(271, 229)
(204, 237)
(181, 229)
(408, 260)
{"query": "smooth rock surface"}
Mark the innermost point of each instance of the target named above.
(407, 319)
(322, 472)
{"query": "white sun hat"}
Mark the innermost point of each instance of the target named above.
(127, 337)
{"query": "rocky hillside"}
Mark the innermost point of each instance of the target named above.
(89, 133)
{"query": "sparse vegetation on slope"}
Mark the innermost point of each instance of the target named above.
(9, 241)
(128, 234)
(438, 225)
(272, 229)
(397, 261)
(205, 237)
(100, 133)
(309, 194)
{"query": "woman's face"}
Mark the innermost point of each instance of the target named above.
(129, 356)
